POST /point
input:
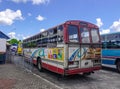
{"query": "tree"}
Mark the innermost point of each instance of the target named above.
(13, 41)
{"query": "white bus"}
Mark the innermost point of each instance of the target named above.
(69, 48)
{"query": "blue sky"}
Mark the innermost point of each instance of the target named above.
(23, 18)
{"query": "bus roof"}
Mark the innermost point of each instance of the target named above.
(68, 22)
(110, 33)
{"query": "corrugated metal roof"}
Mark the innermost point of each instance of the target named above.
(2, 35)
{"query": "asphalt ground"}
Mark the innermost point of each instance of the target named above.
(12, 77)
(24, 75)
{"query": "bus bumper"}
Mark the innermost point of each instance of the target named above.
(83, 70)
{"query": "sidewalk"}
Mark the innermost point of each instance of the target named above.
(12, 77)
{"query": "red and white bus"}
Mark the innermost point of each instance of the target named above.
(70, 48)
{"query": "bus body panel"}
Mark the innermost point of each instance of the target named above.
(45, 53)
(53, 60)
(109, 61)
(84, 57)
(109, 56)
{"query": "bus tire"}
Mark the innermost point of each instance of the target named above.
(118, 66)
(39, 65)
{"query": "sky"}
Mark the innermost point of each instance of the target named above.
(23, 18)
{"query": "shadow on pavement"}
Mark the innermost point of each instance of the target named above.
(109, 69)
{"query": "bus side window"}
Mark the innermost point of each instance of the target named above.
(60, 34)
(44, 39)
(38, 41)
(52, 35)
(110, 45)
(52, 38)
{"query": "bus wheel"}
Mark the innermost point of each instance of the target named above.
(39, 66)
(118, 66)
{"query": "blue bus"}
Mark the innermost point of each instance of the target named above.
(13, 48)
(111, 50)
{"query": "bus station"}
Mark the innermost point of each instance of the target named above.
(44, 57)
(59, 44)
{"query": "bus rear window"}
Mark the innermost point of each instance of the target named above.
(73, 33)
(85, 36)
(95, 36)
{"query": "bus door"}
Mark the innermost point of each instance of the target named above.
(79, 46)
(73, 46)
(90, 47)
(96, 46)
(85, 48)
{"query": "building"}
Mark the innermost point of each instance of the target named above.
(2, 35)
(3, 46)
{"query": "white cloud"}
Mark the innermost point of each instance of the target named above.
(35, 2)
(99, 22)
(8, 16)
(105, 31)
(20, 1)
(40, 18)
(29, 14)
(41, 30)
(21, 36)
(17, 36)
(12, 35)
(25, 37)
(115, 26)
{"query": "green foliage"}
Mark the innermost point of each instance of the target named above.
(30, 44)
(13, 41)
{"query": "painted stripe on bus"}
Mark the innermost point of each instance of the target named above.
(54, 64)
(108, 61)
(56, 69)
(114, 57)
